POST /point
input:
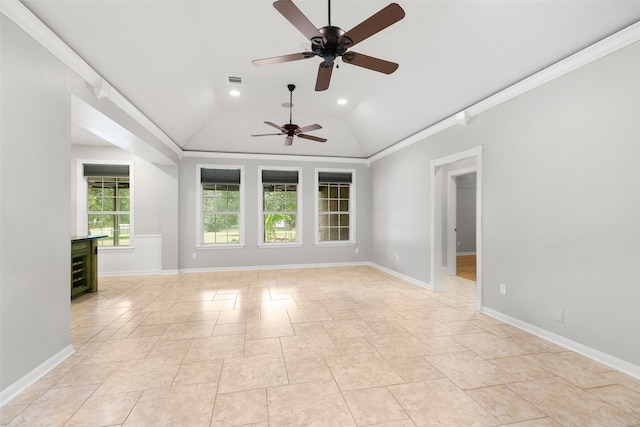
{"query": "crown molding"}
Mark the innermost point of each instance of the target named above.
(278, 157)
(617, 41)
(30, 24)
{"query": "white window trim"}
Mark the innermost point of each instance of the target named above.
(82, 199)
(299, 219)
(352, 209)
(199, 227)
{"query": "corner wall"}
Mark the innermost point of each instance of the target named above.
(34, 263)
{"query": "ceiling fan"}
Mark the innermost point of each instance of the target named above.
(332, 42)
(291, 130)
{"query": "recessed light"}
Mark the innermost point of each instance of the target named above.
(342, 101)
(234, 92)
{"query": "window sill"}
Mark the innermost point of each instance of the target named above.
(279, 245)
(214, 246)
(337, 243)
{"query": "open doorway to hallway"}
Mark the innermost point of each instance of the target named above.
(456, 246)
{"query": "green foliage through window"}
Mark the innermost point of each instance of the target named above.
(108, 207)
(280, 208)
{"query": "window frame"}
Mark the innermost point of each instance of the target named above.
(299, 217)
(82, 196)
(199, 211)
(352, 209)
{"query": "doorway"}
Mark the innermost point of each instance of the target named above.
(443, 241)
(460, 242)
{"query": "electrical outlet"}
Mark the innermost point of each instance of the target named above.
(559, 315)
(357, 250)
(503, 289)
(194, 255)
(398, 259)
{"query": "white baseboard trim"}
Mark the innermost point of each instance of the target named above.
(465, 253)
(138, 273)
(272, 267)
(591, 353)
(410, 279)
(19, 386)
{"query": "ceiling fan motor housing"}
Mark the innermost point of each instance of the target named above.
(332, 45)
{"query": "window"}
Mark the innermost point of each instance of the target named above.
(335, 206)
(108, 203)
(280, 215)
(220, 219)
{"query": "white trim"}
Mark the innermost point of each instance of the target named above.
(274, 267)
(591, 353)
(275, 157)
(45, 367)
(615, 42)
(352, 209)
(299, 218)
(471, 153)
(464, 253)
(427, 286)
(139, 273)
(30, 24)
(199, 228)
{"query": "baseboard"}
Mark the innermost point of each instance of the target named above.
(272, 267)
(465, 253)
(139, 273)
(19, 386)
(591, 353)
(410, 279)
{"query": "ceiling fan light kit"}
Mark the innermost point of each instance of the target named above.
(331, 42)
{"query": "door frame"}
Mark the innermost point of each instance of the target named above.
(437, 200)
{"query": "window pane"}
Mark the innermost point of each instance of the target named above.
(333, 192)
(323, 205)
(344, 192)
(324, 234)
(323, 220)
(344, 233)
(123, 203)
(344, 220)
(323, 191)
(334, 234)
(109, 204)
(333, 205)
(344, 205)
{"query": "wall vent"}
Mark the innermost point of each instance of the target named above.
(234, 80)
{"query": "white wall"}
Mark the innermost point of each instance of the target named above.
(34, 263)
(560, 208)
(251, 255)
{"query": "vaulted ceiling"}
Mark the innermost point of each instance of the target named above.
(172, 60)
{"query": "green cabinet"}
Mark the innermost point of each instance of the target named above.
(84, 265)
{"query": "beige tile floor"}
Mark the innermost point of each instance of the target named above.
(349, 346)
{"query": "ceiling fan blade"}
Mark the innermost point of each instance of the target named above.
(277, 126)
(377, 22)
(268, 134)
(365, 61)
(288, 140)
(308, 128)
(292, 14)
(312, 138)
(324, 76)
(283, 58)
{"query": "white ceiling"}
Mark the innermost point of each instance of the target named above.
(171, 59)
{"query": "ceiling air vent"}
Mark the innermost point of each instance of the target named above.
(234, 80)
